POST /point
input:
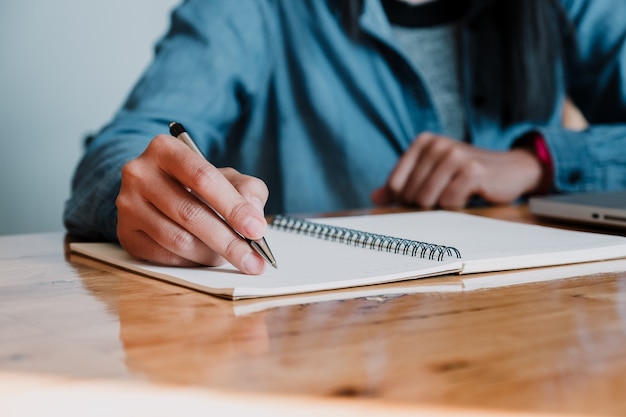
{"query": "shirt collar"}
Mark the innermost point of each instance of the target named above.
(374, 21)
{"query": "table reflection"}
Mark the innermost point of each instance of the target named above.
(545, 346)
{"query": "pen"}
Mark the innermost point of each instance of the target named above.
(260, 246)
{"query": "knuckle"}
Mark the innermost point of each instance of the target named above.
(131, 171)
(229, 171)
(232, 249)
(205, 176)
(456, 155)
(181, 241)
(123, 203)
(160, 147)
(245, 183)
(126, 200)
(159, 143)
(191, 212)
(250, 181)
(440, 150)
(256, 186)
(239, 211)
(135, 175)
(426, 137)
(472, 170)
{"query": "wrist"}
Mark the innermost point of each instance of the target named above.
(535, 144)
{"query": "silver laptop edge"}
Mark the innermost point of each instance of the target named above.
(601, 208)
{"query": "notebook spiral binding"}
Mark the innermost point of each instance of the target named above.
(364, 239)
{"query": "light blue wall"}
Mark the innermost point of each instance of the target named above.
(65, 67)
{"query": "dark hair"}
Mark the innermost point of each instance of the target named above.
(532, 36)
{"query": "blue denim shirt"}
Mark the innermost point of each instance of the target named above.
(276, 89)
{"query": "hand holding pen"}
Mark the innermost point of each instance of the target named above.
(259, 245)
(159, 220)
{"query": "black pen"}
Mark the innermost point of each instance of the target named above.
(260, 246)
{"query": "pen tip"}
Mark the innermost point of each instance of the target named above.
(261, 247)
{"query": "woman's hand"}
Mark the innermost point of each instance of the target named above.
(437, 171)
(160, 221)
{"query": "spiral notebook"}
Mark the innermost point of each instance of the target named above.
(346, 252)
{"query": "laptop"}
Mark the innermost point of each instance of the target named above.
(605, 208)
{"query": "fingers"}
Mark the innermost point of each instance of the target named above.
(143, 247)
(425, 172)
(437, 171)
(208, 182)
(252, 189)
(146, 233)
(160, 221)
(437, 164)
(454, 178)
(461, 187)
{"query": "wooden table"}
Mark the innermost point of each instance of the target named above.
(79, 329)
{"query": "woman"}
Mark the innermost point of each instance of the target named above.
(340, 104)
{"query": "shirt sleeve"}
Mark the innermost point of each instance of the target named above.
(595, 158)
(215, 58)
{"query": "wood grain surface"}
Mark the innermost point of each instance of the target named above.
(553, 347)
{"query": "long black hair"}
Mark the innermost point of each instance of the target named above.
(532, 37)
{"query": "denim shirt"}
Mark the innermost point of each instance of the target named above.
(278, 90)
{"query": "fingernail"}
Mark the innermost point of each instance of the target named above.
(252, 264)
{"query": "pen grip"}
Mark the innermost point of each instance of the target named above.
(260, 246)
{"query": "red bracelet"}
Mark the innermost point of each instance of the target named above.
(543, 154)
